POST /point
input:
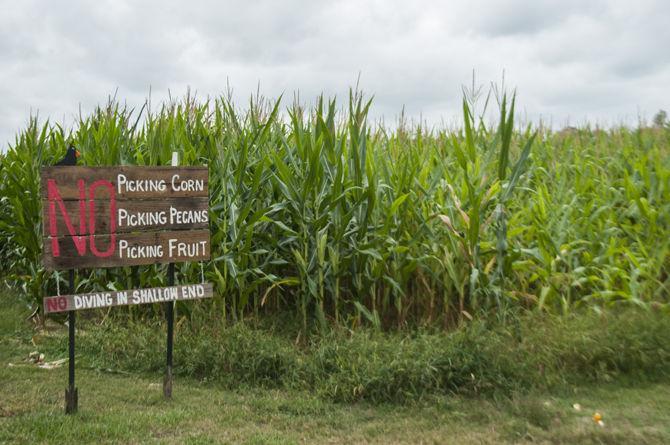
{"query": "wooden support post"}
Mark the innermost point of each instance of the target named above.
(71, 394)
(169, 315)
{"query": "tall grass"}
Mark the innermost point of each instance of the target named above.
(317, 213)
(482, 357)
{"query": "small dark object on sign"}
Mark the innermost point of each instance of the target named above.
(70, 157)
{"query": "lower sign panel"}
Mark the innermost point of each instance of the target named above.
(126, 249)
(63, 303)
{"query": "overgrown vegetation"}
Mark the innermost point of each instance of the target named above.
(116, 408)
(317, 213)
(534, 352)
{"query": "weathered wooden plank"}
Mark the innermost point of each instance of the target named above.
(127, 182)
(96, 300)
(130, 216)
(129, 249)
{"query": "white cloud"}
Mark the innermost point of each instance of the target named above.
(605, 61)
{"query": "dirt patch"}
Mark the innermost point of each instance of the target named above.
(6, 413)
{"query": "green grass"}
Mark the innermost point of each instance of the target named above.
(524, 354)
(124, 406)
(117, 408)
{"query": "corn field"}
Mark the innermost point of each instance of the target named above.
(320, 214)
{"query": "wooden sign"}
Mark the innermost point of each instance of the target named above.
(64, 303)
(132, 216)
(123, 216)
(128, 182)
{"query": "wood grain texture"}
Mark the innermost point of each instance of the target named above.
(103, 299)
(140, 215)
(66, 179)
(195, 243)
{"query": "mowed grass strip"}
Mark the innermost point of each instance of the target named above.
(130, 409)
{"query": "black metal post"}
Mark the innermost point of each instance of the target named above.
(71, 394)
(169, 315)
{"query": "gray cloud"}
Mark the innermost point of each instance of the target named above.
(570, 60)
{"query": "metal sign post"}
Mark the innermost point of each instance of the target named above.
(71, 394)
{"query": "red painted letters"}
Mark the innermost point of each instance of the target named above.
(54, 197)
(112, 218)
(56, 304)
(79, 239)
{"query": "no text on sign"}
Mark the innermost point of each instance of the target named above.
(121, 216)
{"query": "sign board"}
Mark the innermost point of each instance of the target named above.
(96, 300)
(124, 216)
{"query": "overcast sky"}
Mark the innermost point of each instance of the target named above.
(571, 61)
